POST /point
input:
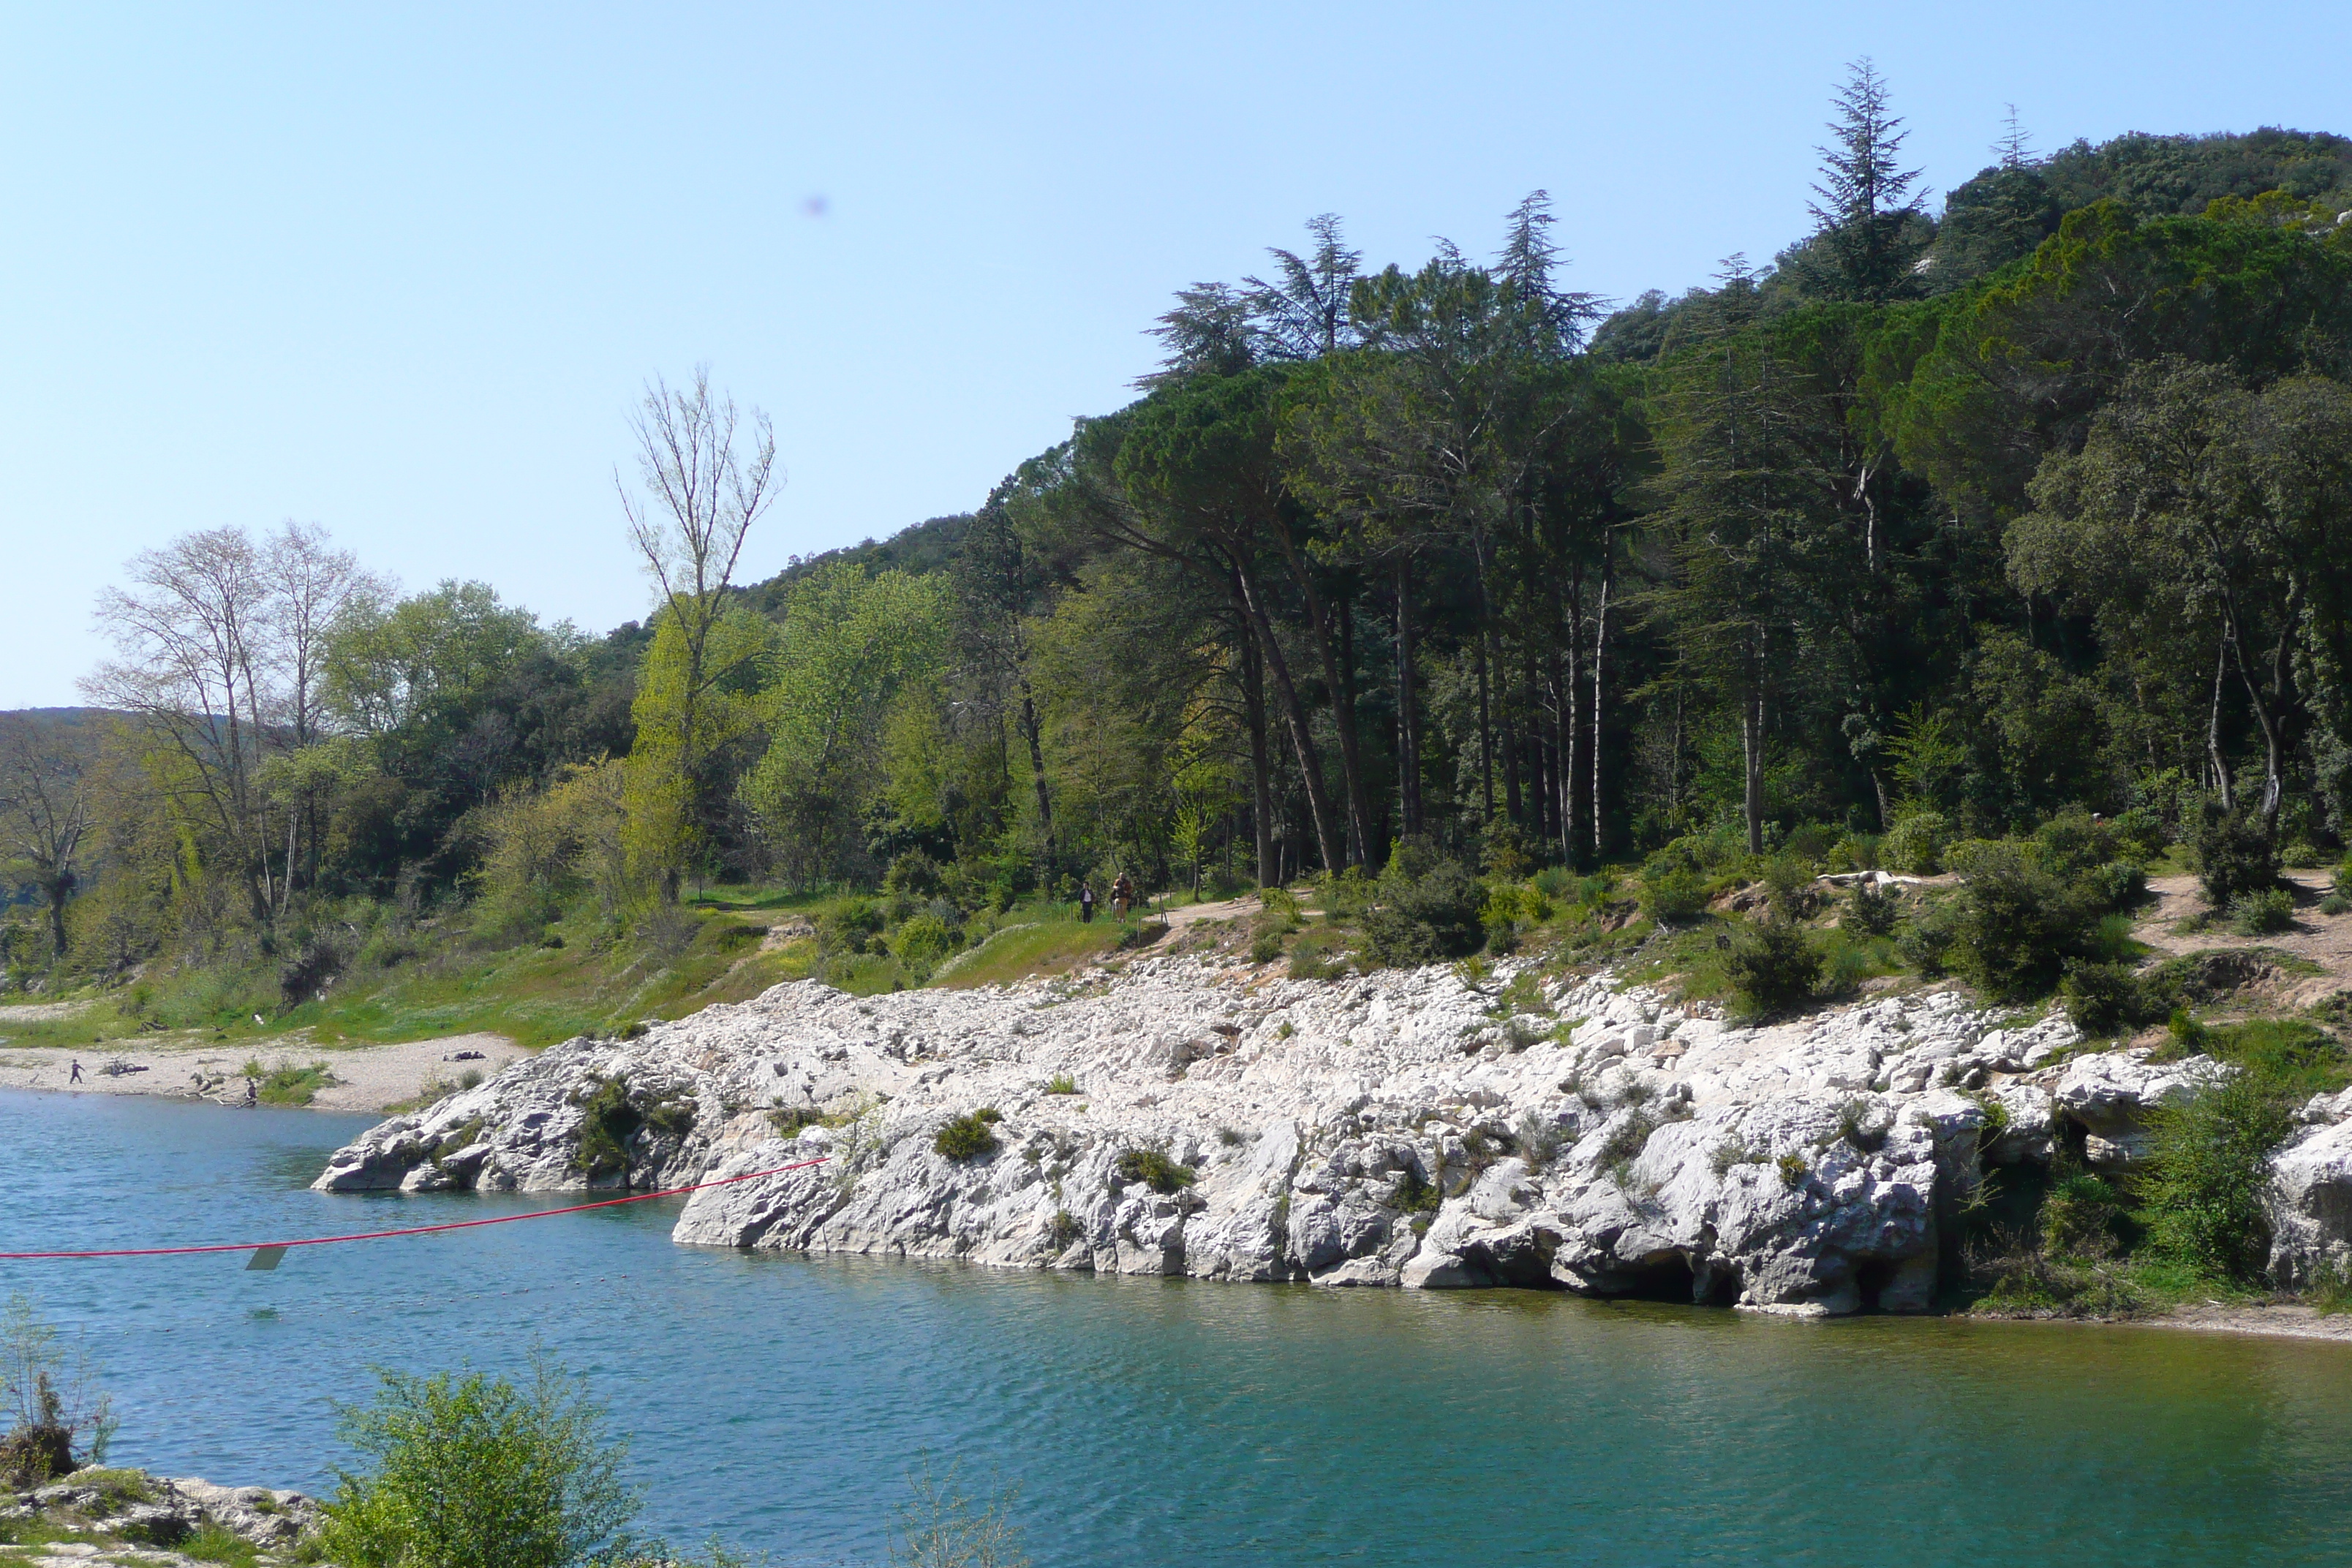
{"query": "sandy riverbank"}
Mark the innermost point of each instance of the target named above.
(367, 1078)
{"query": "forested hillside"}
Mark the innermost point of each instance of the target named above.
(1941, 524)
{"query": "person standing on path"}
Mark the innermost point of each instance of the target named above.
(77, 1071)
(1122, 897)
(1086, 903)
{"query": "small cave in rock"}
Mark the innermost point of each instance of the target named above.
(1670, 1277)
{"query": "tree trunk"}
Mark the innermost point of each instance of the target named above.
(1408, 723)
(2222, 784)
(1261, 783)
(1485, 697)
(1031, 731)
(1751, 742)
(1302, 734)
(1573, 806)
(1343, 712)
(1600, 650)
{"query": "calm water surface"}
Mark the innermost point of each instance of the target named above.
(781, 1402)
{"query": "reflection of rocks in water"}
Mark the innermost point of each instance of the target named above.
(1396, 1129)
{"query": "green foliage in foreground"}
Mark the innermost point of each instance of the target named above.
(468, 1470)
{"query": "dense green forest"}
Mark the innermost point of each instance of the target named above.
(1938, 527)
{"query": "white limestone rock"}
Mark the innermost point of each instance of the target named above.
(1384, 1130)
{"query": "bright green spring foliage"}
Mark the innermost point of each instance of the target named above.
(2212, 1166)
(467, 1470)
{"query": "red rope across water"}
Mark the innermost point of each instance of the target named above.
(412, 1230)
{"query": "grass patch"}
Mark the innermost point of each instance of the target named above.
(1030, 948)
(286, 1084)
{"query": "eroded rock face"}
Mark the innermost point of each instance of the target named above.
(2310, 1206)
(1391, 1130)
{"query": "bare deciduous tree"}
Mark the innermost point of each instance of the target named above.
(218, 640)
(700, 499)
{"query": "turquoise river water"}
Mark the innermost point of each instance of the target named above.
(781, 1402)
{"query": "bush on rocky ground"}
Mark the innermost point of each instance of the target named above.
(1870, 910)
(1773, 966)
(2235, 856)
(1427, 908)
(2262, 913)
(1154, 1169)
(968, 1137)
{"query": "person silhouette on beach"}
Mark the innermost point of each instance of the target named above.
(77, 1071)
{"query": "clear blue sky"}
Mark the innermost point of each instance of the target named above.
(402, 270)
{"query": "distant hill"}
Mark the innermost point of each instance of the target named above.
(928, 546)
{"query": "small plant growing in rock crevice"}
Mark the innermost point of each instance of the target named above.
(1415, 1194)
(1792, 1168)
(1061, 1083)
(1154, 1169)
(607, 1122)
(968, 1137)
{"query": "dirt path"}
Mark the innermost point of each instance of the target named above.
(2321, 938)
(367, 1078)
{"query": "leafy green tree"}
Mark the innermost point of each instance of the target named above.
(850, 645)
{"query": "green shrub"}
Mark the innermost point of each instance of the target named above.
(2072, 843)
(1061, 1083)
(2262, 913)
(2081, 1215)
(2107, 998)
(2015, 925)
(968, 1137)
(2235, 856)
(1673, 896)
(472, 1471)
(1915, 844)
(1854, 852)
(1870, 911)
(915, 874)
(2116, 884)
(1266, 948)
(1154, 1169)
(2208, 1169)
(1926, 944)
(922, 944)
(1773, 966)
(850, 925)
(2336, 903)
(2140, 832)
(1427, 910)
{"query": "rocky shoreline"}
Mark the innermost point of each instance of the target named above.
(98, 1518)
(1184, 1115)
